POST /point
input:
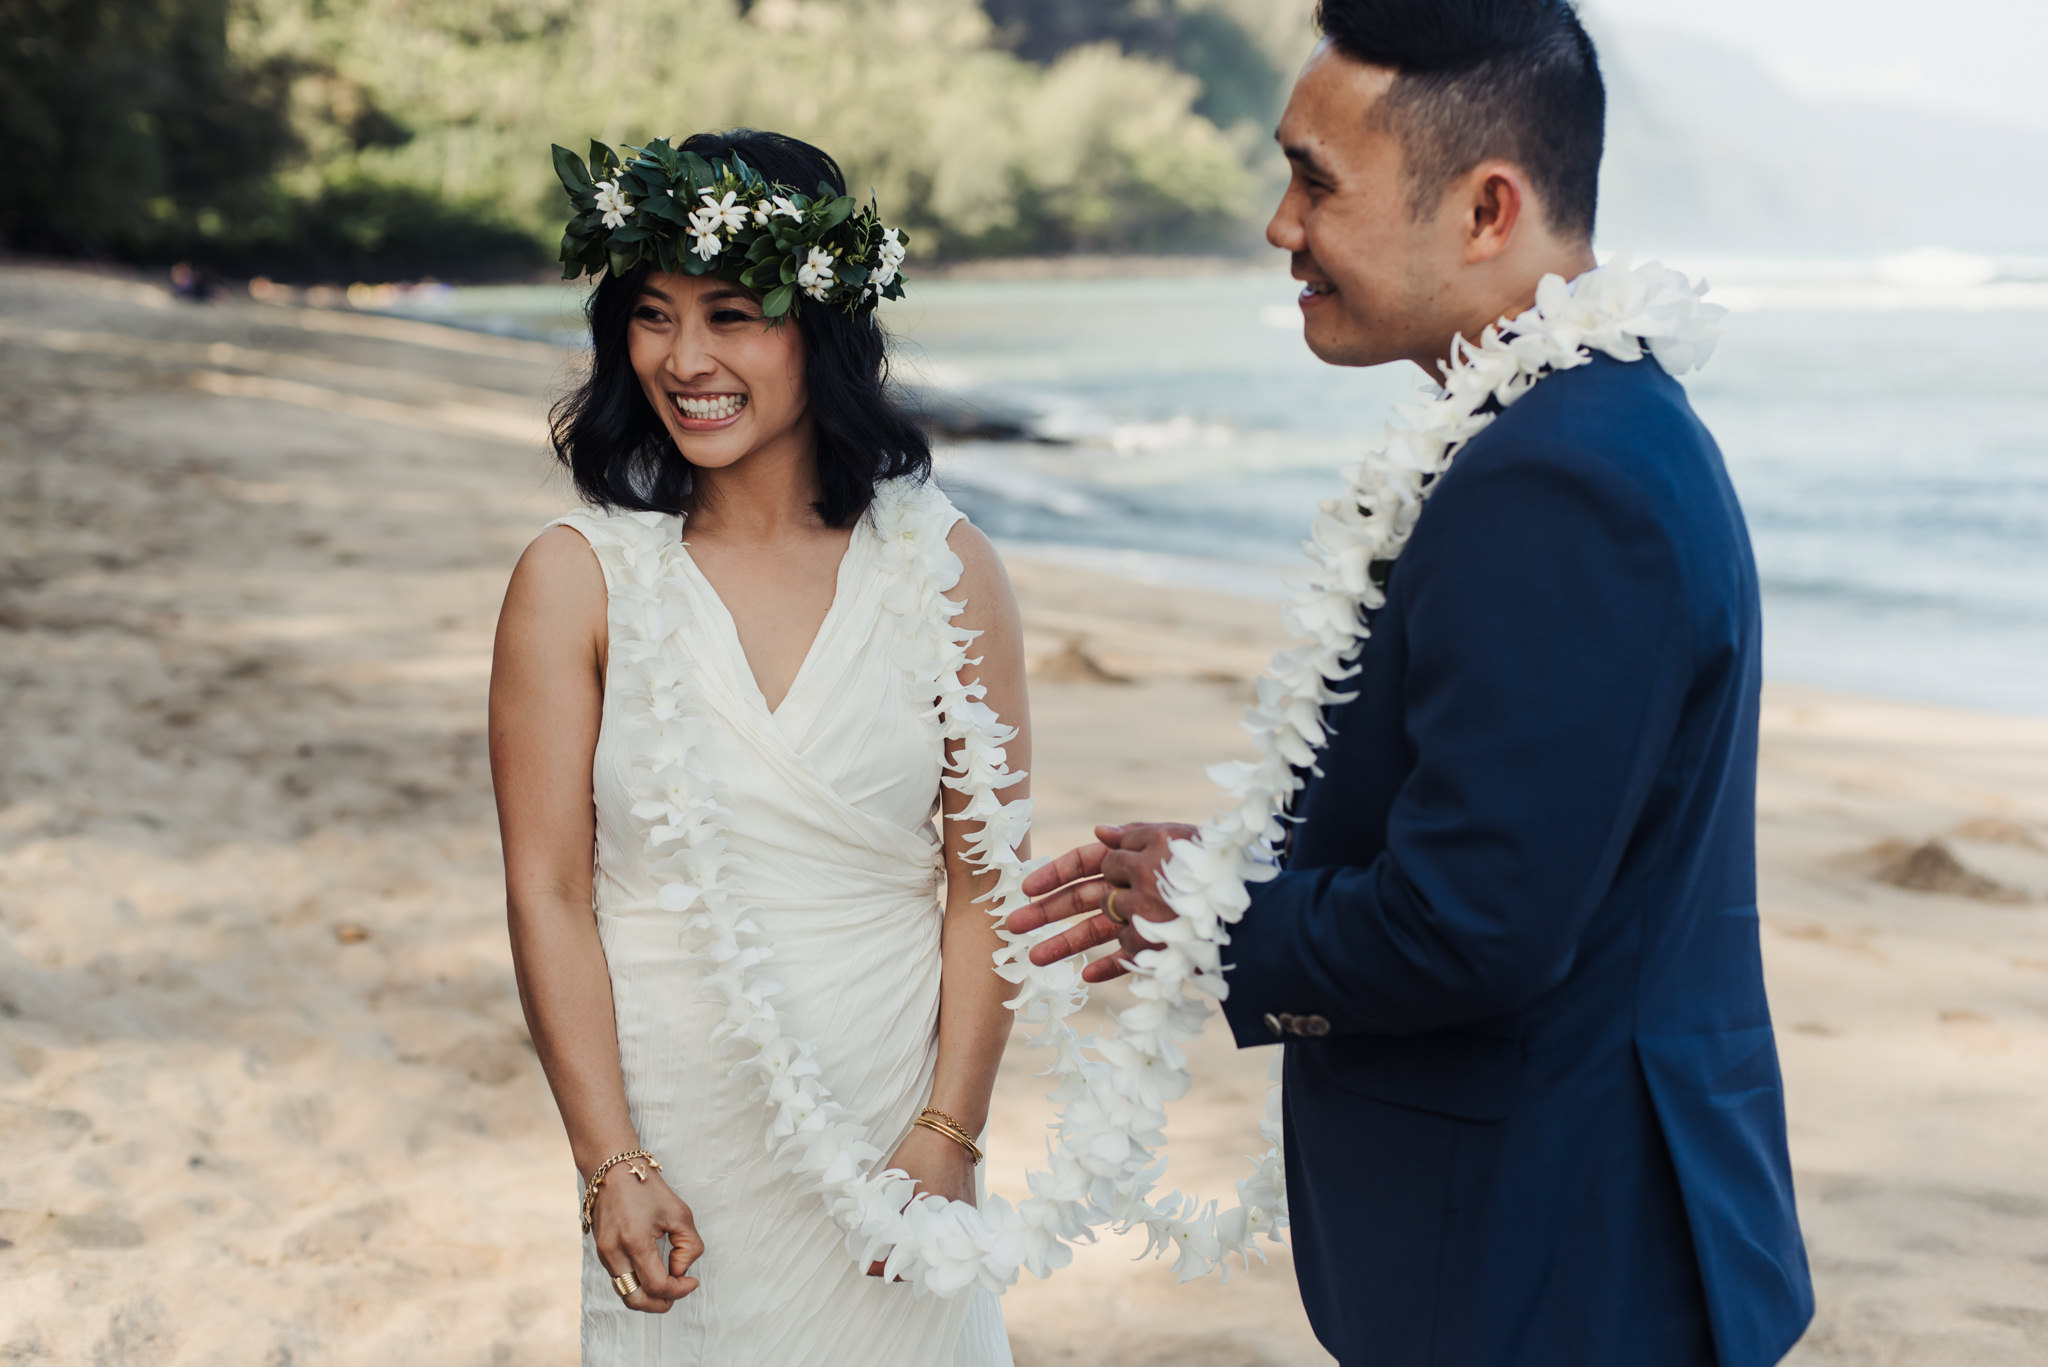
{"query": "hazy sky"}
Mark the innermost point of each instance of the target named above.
(1980, 55)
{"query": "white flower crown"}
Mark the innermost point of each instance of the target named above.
(672, 209)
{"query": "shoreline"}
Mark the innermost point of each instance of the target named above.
(1891, 280)
(334, 292)
(1269, 585)
(265, 1087)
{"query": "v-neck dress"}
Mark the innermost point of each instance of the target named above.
(830, 840)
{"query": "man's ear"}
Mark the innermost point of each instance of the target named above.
(1494, 195)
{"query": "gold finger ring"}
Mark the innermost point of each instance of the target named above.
(625, 1284)
(1109, 909)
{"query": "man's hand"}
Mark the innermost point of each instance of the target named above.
(1124, 861)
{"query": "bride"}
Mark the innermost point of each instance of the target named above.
(702, 702)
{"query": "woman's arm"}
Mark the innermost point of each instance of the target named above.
(974, 1025)
(547, 694)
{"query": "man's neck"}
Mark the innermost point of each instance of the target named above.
(1511, 293)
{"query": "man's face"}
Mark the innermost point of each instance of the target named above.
(1375, 277)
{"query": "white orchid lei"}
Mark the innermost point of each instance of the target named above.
(1112, 1090)
(672, 209)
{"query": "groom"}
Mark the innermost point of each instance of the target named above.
(1533, 1107)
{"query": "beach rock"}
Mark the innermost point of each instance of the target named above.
(1074, 664)
(955, 417)
(1933, 867)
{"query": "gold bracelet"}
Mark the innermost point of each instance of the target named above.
(938, 1114)
(596, 1182)
(951, 1128)
(941, 1127)
(938, 1122)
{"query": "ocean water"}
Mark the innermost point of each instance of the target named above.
(1886, 425)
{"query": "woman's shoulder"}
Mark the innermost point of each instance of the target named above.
(911, 507)
(604, 527)
(626, 543)
(917, 512)
(923, 534)
(559, 582)
(979, 562)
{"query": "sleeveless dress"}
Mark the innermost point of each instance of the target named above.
(827, 807)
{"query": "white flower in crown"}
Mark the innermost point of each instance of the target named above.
(890, 254)
(815, 275)
(611, 202)
(704, 225)
(724, 212)
(775, 206)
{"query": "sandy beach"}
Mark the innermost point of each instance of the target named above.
(265, 1092)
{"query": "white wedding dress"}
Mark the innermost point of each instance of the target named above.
(830, 840)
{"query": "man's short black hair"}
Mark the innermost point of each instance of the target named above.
(1516, 79)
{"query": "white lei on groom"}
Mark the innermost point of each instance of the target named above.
(1112, 1090)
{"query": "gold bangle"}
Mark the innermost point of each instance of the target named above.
(596, 1182)
(959, 1135)
(940, 1123)
(940, 1127)
(938, 1114)
(945, 1124)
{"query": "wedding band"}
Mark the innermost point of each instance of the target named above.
(1109, 909)
(625, 1284)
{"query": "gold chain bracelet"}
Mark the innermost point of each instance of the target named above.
(630, 1158)
(937, 1121)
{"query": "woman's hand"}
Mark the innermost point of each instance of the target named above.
(628, 1222)
(939, 1166)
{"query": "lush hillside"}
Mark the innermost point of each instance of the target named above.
(365, 137)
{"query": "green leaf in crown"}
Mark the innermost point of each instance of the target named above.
(671, 209)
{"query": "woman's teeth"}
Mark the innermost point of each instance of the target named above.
(712, 408)
(1316, 287)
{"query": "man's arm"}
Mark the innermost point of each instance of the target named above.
(1549, 654)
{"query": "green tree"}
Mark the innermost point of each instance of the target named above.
(364, 137)
(130, 122)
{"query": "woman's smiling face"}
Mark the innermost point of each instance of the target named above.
(725, 382)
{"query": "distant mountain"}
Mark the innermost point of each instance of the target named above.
(1709, 152)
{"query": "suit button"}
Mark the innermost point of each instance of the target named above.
(1291, 1024)
(1273, 1023)
(1315, 1025)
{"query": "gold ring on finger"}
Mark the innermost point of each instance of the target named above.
(626, 1284)
(1109, 909)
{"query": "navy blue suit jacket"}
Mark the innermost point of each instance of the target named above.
(1545, 1124)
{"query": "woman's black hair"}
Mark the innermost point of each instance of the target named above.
(621, 456)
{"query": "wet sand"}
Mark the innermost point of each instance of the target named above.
(265, 1093)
